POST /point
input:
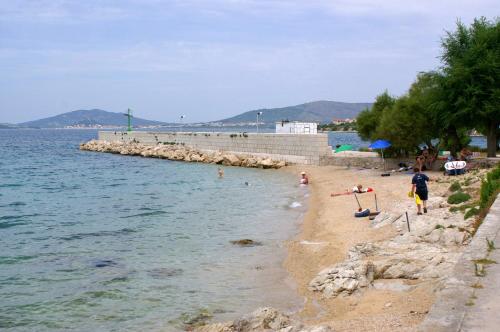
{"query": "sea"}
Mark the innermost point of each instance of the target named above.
(102, 242)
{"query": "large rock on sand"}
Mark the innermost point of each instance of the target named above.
(263, 319)
(343, 278)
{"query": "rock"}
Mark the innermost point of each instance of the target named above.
(343, 278)
(251, 162)
(218, 159)
(246, 243)
(231, 160)
(280, 164)
(267, 163)
(320, 328)
(262, 319)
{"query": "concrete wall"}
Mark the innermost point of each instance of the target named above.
(292, 148)
(352, 161)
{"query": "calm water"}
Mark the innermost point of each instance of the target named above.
(101, 242)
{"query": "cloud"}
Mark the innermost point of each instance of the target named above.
(53, 11)
(202, 58)
(73, 10)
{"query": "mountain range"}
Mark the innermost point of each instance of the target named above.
(322, 111)
(88, 118)
(318, 111)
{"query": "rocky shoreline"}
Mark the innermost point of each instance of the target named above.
(409, 261)
(181, 153)
(386, 270)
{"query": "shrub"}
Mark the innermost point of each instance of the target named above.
(471, 212)
(455, 186)
(490, 188)
(458, 197)
(467, 182)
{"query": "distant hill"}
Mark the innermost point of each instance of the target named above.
(88, 118)
(317, 111)
(8, 126)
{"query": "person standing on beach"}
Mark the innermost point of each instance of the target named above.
(419, 187)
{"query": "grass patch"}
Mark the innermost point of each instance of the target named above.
(472, 212)
(490, 188)
(438, 226)
(469, 303)
(467, 182)
(458, 197)
(490, 244)
(455, 186)
(477, 286)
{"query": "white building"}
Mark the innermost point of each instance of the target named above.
(295, 127)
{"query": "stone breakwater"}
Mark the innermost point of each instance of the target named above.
(181, 153)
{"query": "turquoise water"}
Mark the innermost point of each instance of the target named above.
(101, 242)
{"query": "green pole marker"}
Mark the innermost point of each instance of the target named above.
(129, 118)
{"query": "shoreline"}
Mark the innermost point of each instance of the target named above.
(327, 235)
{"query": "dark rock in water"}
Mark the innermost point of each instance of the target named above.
(104, 263)
(164, 272)
(190, 321)
(116, 280)
(246, 243)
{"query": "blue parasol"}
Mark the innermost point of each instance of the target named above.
(380, 144)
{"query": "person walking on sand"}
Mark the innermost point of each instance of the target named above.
(304, 179)
(419, 187)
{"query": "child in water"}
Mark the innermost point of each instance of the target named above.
(304, 179)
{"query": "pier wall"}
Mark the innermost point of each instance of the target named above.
(292, 148)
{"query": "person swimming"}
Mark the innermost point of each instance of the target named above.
(220, 172)
(304, 179)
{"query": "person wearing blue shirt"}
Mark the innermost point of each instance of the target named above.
(419, 187)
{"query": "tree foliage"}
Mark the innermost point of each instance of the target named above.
(463, 94)
(369, 120)
(471, 77)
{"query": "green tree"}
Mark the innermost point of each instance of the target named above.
(429, 92)
(369, 120)
(471, 79)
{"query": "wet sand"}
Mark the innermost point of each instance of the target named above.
(329, 230)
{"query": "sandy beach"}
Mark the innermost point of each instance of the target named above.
(329, 230)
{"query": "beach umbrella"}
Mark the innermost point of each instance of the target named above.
(380, 144)
(344, 147)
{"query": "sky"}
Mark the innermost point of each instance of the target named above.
(210, 60)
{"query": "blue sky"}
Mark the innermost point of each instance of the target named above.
(214, 59)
